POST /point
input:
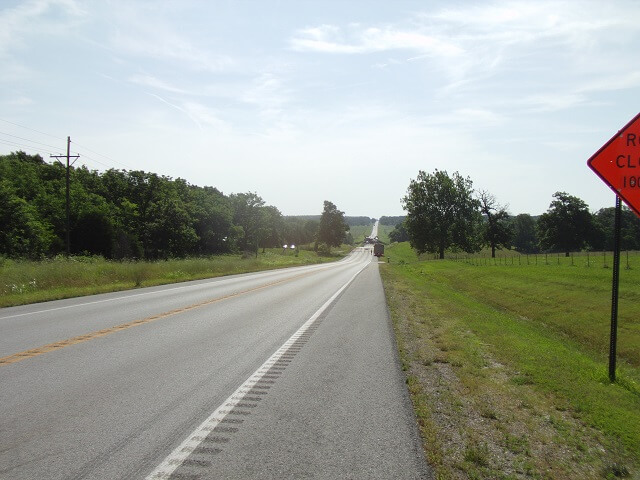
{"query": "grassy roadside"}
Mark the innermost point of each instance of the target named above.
(23, 282)
(360, 232)
(507, 370)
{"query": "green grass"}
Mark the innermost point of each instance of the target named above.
(360, 232)
(527, 346)
(23, 282)
(383, 233)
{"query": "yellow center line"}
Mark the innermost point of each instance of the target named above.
(34, 352)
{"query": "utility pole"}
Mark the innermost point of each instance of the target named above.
(67, 227)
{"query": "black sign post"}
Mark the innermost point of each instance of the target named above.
(614, 292)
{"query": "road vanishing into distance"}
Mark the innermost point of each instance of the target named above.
(282, 374)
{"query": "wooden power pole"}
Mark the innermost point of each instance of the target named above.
(67, 226)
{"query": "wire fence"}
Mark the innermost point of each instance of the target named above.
(604, 259)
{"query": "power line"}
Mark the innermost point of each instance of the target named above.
(26, 139)
(85, 156)
(32, 129)
(55, 148)
(20, 145)
(102, 155)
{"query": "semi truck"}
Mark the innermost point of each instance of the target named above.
(378, 250)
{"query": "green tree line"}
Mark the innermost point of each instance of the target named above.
(445, 212)
(123, 214)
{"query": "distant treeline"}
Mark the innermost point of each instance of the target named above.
(351, 221)
(392, 221)
(446, 213)
(131, 214)
(527, 234)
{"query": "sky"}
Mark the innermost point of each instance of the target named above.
(303, 101)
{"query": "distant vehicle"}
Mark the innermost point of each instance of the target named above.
(378, 250)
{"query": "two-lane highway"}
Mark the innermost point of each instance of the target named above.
(281, 374)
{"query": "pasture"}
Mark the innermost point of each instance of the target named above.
(507, 363)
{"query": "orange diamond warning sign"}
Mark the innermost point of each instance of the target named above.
(617, 163)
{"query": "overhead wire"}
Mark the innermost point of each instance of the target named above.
(40, 151)
(32, 129)
(26, 147)
(100, 154)
(26, 139)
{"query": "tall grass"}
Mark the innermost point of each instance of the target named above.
(23, 281)
(547, 323)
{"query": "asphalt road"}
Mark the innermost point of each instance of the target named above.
(282, 374)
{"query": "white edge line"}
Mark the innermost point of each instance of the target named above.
(193, 440)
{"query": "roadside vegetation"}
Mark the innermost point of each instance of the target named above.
(28, 281)
(507, 365)
(360, 232)
(130, 215)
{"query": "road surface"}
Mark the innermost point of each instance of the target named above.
(374, 230)
(281, 374)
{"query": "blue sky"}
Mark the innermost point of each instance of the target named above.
(305, 101)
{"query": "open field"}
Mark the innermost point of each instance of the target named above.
(383, 233)
(23, 282)
(507, 365)
(359, 232)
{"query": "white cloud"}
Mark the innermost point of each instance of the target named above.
(203, 116)
(21, 101)
(464, 118)
(139, 31)
(155, 83)
(608, 81)
(33, 17)
(551, 102)
(356, 39)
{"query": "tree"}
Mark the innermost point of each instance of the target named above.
(212, 220)
(22, 233)
(393, 221)
(272, 227)
(248, 215)
(629, 229)
(399, 233)
(567, 225)
(525, 238)
(170, 229)
(497, 231)
(332, 226)
(442, 213)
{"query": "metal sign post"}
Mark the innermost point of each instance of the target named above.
(613, 341)
(617, 163)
